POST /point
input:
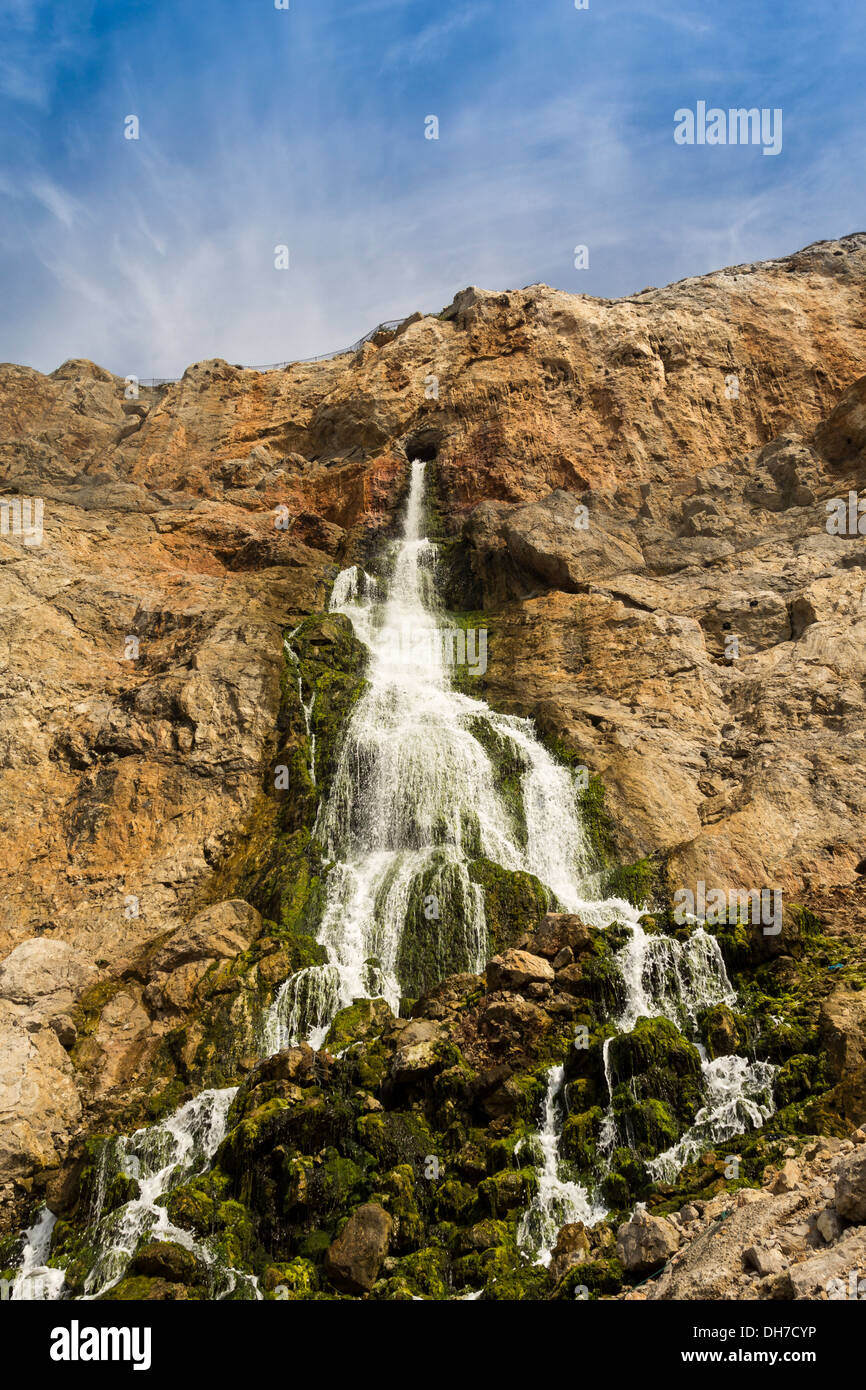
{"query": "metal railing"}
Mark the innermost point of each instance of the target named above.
(388, 326)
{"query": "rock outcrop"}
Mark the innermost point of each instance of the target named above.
(635, 497)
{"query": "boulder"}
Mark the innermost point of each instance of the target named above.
(39, 1102)
(851, 1186)
(829, 1274)
(764, 1259)
(516, 970)
(220, 932)
(44, 978)
(544, 539)
(645, 1243)
(570, 979)
(163, 1259)
(829, 1225)
(572, 1248)
(842, 1030)
(365, 1018)
(418, 1052)
(561, 931)
(354, 1259)
(787, 1179)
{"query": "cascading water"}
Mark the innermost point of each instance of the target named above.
(414, 800)
(557, 1201)
(35, 1281)
(156, 1160)
(678, 980)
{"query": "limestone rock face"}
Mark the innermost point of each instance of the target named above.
(354, 1259)
(548, 539)
(698, 430)
(218, 933)
(39, 1102)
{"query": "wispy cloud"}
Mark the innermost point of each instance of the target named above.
(432, 41)
(306, 127)
(58, 202)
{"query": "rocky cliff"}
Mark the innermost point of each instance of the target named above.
(631, 495)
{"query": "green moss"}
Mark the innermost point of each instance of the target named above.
(594, 816)
(654, 1061)
(314, 1245)
(394, 1138)
(797, 1078)
(140, 1289)
(514, 903)
(166, 1259)
(508, 1191)
(637, 883)
(436, 941)
(424, 1274)
(594, 1279)
(626, 1182)
(363, 1019)
(291, 1280)
(86, 1014)
(723, 1031)
(509, 764)
(504, 1274)
(401, 1199)
(195, 1205)
(580, 1134)
(454, 1201)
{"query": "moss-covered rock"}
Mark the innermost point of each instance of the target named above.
(514, 903)
(163, 1259)
(655, 1062)
(364, 1018)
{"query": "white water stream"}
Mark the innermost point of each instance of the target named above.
(415, 798)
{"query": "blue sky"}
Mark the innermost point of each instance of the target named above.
(305, 127)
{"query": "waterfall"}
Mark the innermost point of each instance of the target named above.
(739, 1096)
(35, 1281)
(416, 797)
(157, 1159)
(678, 980)
(557, 1202)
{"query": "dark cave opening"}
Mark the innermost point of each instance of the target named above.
(425, 450)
